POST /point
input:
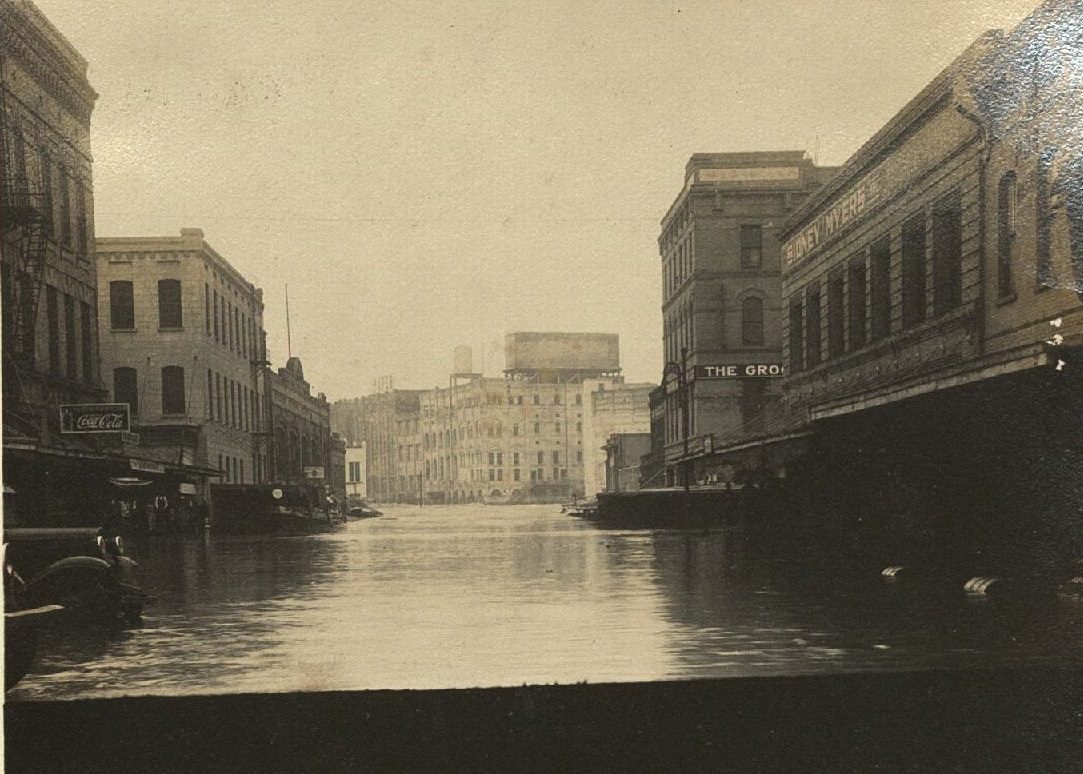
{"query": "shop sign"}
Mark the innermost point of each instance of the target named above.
(187, 488)
(314, 472)
(146, 466)
(855, 202)
(95, 418)
(739, 371)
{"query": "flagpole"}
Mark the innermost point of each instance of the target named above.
(289, 344)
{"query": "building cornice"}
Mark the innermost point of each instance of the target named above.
(29, 38)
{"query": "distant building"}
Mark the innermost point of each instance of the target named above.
(300, 425)
(336, 473)
(50, 326)
(382, 431)
(182, 343)
(623, 455)
(610, 409)
(356, 476)
(719, 246)
(519, 438)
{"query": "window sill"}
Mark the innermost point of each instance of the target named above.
(114, 329)
(1006, 299)
(170, 330)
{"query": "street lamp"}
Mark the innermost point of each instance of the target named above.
(680, 371)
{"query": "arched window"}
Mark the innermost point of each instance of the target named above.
(173, 390)
(752, 321)
(126, 388)
(1006, 209)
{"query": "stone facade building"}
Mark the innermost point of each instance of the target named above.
(183, 344)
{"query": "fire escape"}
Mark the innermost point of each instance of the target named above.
(24, 232)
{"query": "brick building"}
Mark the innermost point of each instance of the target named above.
(386, 428)
(719, 247)
(182, 342)
(934, 323)
(300, 427)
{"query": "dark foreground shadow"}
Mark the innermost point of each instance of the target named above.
(1015, 720)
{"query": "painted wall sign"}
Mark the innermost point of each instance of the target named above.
(739, 371)
(854, 203)
(314, 471)
(95, 418)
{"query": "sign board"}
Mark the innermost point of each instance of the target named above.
(187, 488)
(132, 439)
(147, 466)
(95, 418)
(314, 472)
(739, 370)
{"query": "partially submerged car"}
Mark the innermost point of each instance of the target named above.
(84, 569)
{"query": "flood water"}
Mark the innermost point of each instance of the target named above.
(465, 596)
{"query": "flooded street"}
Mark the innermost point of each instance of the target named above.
(465, 596)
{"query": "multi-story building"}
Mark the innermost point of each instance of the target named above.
(933, 311)
(719, 246)
(519, 438)
(610, 409)
(50, 311)
(182, 343)
(387, 424)
(300, 427)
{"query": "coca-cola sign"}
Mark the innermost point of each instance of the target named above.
(95, 418)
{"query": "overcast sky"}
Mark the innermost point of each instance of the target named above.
(424, 175)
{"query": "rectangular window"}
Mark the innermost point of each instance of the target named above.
(541, 458)
(515, 474)
(515, 458)
(121, 305)
(81, 221)
(173, 390)
(537, 428)
(207, 307)
(87, 341)
(1006, 216)
(556, 458)
(751, 247)
(47, 191)
(126, 388)
(169, 304)
(216, 337)
(797, 336)
(65, 208)
(947, 255)
(52, 308)
(579, 455)
(210, 394)
(813, 334)
(836, 319)
(218, 411)
(70, 344)
(880, 260)
(857, 302)
(913, 271)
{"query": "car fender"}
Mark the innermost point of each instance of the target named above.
(69, 564)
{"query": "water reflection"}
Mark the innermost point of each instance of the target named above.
(467, 596)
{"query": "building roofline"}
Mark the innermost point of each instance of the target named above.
(884, 141)
(187, 241)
